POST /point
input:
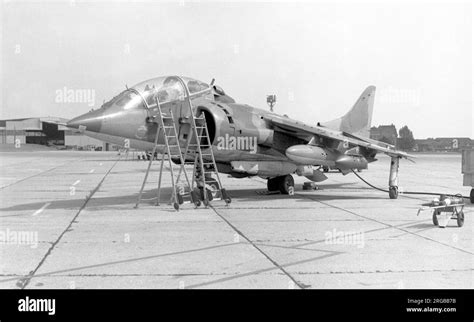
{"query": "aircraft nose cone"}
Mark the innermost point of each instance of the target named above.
(90, 121)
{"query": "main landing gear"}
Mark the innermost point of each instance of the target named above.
(284, 184)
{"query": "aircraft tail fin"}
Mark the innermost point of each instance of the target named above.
(358, 120)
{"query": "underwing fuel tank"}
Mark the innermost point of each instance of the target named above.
(347, 162)
(314, 155)
(310, 155)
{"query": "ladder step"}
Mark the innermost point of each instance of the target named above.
(168, 127)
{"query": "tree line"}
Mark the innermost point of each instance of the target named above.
(405, 140)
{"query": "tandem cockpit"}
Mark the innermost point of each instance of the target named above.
(172, 93)
(166, 90)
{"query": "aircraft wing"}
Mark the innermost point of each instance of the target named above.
(302, 130)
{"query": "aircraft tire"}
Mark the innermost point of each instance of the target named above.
(225, 196)
(215, 191)
(435, 217)
(460, 218)
(210, 197)
(273, 184)
(195, 198)
(393, 192)
(285, 182)
(472, 195)
(180, 198)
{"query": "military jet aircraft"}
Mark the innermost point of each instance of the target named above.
(246, 141)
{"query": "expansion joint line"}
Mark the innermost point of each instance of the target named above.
(38, 174)
(23, 282)
(391, 226)
(301, 286)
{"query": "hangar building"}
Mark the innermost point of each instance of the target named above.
(47, 131)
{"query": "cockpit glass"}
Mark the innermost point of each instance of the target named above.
(169, 88)
(166, 89)
(128, 100)
(195, 86)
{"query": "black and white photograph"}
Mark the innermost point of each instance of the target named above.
(236, 145)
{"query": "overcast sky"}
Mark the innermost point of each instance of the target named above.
(316, 57)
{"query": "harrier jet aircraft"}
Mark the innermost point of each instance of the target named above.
(246, 141)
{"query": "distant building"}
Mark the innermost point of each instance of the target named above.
(453, 144)
(47, 131)
(384, 133)
(426, 145)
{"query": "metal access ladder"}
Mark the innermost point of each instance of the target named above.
(204, 163)
(173, 150)
(200, 152)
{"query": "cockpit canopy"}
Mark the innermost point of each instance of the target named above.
(170, 88)
(166, 89)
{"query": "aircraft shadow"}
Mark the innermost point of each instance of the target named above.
(303, 195)
(149, 198)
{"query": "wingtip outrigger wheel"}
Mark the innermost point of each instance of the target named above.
(393, 179)
(393, 192)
